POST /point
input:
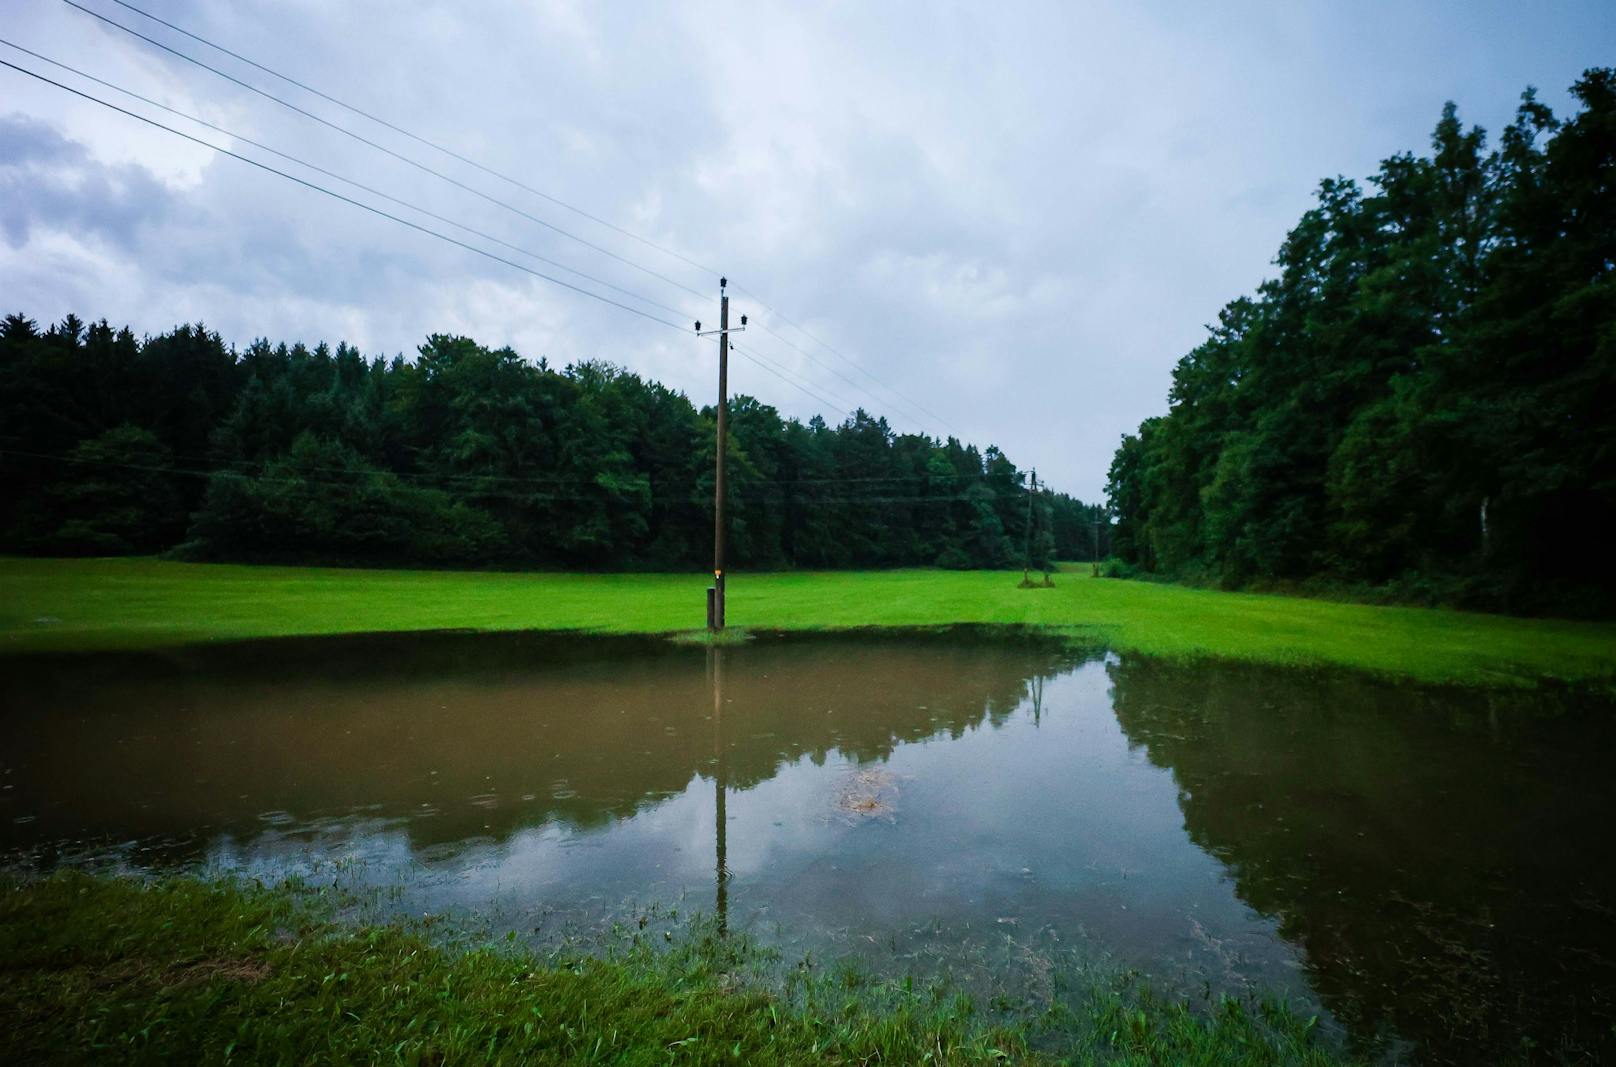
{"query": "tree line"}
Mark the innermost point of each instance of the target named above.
(468, 456)
(1422, 398)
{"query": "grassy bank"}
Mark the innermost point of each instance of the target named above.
(140, 603)
(186, 971)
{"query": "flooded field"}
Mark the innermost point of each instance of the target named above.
(1429, 869)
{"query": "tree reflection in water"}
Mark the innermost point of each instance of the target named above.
(486, 734)
(1441, 857)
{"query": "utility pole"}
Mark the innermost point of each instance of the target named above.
(715, 592)
(1095, 555)
(1026, 562)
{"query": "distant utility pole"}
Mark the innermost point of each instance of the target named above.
(1095, 555)
(715, 593)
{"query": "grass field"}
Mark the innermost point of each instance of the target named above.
(76, 605)
(182, 970)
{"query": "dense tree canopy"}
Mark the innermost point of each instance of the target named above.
(467, 456)
(1423, 397)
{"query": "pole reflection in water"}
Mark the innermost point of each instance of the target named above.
(715, 674)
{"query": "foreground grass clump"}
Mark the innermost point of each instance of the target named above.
(184, 970)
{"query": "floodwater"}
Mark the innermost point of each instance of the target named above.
(1432, 870)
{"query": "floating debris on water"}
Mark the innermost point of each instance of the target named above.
(870, 793)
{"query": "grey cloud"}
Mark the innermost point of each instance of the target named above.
(48, 180)
(25, 140)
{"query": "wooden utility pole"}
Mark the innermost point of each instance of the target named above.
(1026, 564)
(1095, 555)
(715, 594)
(717, 621)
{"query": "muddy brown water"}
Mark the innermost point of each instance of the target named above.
(1430, 869)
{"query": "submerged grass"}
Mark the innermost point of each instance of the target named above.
(79, 605)
(729, 637)
(99, 967)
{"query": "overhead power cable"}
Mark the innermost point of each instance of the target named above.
(835, 406)
(518, 183)
(770, 367)
(826, 366)
(347, 199)
(773, 490)
(780, 372)
(770, 308)
(401, 157)
(766, 365)
(776, 313)
(341, 178)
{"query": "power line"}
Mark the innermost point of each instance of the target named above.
(780, 372)
(759, 361)
(341, 178)
(384, 149)
(776, 489)
(345, 199)
(226, 464)
(772, 368)
(506, 178)
(811, 358)
(422, 140)
(837, 353)
(839, 407)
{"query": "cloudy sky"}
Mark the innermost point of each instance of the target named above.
(1006, 221)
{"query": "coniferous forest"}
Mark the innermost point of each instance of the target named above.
(466, 456)
(1424, 398)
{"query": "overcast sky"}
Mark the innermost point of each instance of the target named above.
(1018, 215)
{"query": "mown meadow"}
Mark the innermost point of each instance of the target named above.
(104, 604)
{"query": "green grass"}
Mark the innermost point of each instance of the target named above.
(143, 603)
(180, 970)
